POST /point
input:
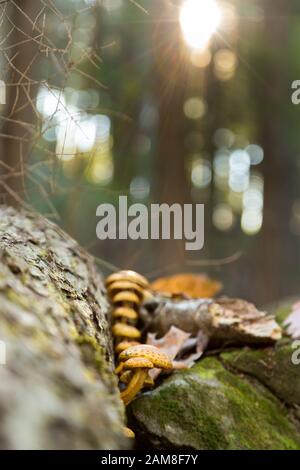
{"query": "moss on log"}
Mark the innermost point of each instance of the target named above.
(57, 388)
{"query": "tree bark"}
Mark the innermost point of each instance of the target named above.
(57, 386)
(20, 50)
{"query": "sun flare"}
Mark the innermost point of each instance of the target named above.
(199, 19)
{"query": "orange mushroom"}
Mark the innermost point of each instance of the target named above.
(125, 313)
(126, 297)
(122, 330)
(124, 285)
(125, 345)
(140, 359)
(127, 290)
(159, 359)
(126, 376)
(128, 275)
(140, 365)
(128, 433)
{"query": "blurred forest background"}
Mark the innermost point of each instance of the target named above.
(110, 97)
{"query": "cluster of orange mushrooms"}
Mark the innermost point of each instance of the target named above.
(126, 291)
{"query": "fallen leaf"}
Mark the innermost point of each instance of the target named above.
(171, 343)
(192, 285)
(176, 343)
(195, 343)
(186, 359)
(292, 322)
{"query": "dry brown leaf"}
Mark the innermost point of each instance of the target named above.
(171, 343)
(178, 343)
(192, 285)
(293, 322)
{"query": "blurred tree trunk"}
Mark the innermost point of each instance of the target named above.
(170, 75)
(20, 51)
(273, 259)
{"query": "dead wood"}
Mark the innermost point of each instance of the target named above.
(226, 321)
(57, 388)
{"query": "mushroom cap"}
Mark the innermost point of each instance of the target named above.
(128, 433)
(138, 363)
(148, 295)
(125, 312)
(125, 345)
(126, 296)
(124, 285)
(125, 331)
(128, 275)
(157, 357)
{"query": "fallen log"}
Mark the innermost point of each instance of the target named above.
(223, 321)
(57, 386)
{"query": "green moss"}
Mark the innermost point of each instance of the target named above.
(93, 353)
(272, 367)
(282, 313)
(18, 299)
(281, 309)
(209, 407)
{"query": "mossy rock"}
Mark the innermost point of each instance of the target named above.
(210, 407)
(272, 367)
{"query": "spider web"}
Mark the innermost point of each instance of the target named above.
(38, 51)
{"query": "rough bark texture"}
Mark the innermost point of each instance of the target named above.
(57, 389)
